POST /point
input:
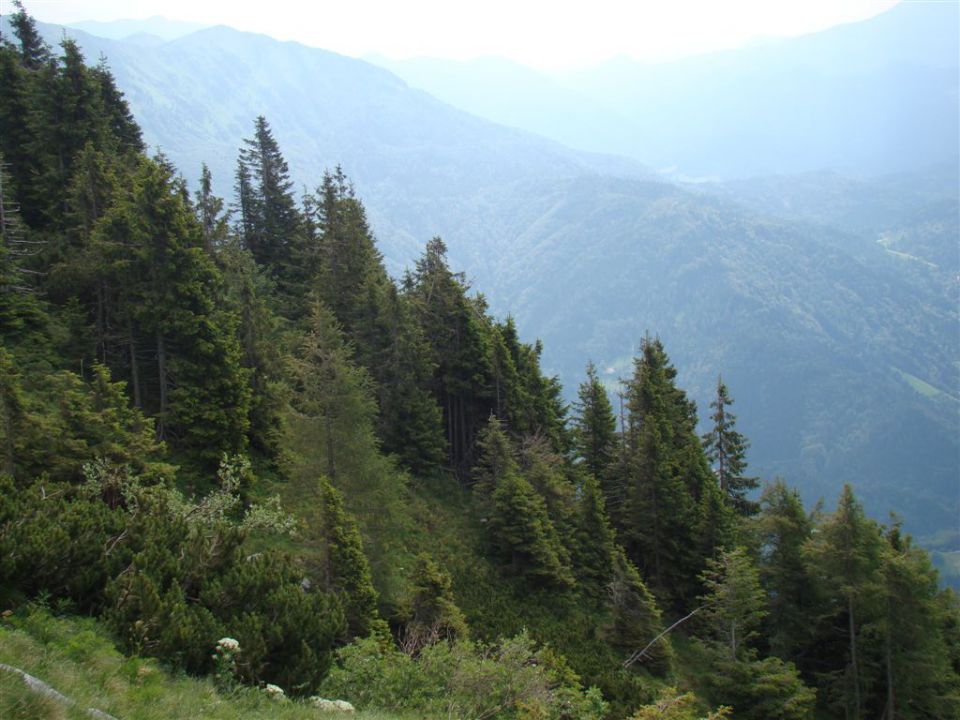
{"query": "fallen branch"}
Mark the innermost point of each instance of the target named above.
(640, 653)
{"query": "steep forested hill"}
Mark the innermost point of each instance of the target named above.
(860, 388)
(239, 446)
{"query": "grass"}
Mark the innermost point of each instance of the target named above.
(920, 386)
(76, 657)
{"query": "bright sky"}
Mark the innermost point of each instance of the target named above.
(541, 33)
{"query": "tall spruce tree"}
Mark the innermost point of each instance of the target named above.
(727, 451)
(166, 300)
(343, 268)
(270, 220)
(662, 476)
(519, 524)
(595, 428)
(454, 327)
(783, 528)
(34, 52)
(844, 555)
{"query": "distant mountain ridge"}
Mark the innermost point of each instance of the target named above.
(866, 98)
(841, 355)
(156, 26)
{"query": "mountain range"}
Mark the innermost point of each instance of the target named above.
(828, 302)
(867, 98)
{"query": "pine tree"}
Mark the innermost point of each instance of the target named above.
(518, 521)
(783, 527)
(344, 568)
(595, 428)
(434, 615)
(34, 52)
(727, 449)
(269, 215)
(661, 477)
(844, 555)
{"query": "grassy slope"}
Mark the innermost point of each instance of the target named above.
(76, 657)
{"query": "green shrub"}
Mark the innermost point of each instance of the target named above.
(512, 679)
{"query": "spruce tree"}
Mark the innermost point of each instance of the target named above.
(434, 615)
(595, 428)
(662, 475)
(119, 120)
(269, 215)
(454, 327)
(519, 524)
(727, 450)
(209, 211)
(344, 568)
(783, 528)
(34, 52)
(165, 298)
(636, 619)
(595, 546)
(844, 556)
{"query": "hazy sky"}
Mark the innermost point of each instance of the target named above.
(541, 33)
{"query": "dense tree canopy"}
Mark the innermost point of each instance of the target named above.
(169, 369)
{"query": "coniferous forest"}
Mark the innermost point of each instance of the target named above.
(232, 439)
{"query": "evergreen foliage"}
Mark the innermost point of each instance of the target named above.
(783, 527)
(434, 615)
(345, 569)
(727, 450)
(269, 217)
(733, 608)
(148, 339)
(636, 619)
(595, 429)
(665, 518)
(521, 530)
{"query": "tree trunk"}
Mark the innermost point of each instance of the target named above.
(101, 325)
(331, 467)
(890, 712)
(134, 369)
(162, 371)
(853, 658)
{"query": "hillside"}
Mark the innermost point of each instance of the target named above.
(240, 451)
(820, 332)
(517, 212)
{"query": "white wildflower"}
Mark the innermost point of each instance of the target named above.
(227, 644)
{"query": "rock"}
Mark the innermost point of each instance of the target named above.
(337, 706)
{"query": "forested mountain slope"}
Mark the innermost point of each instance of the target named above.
(862, 386)
(248, 452)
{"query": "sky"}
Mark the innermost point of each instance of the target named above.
(546, 34)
